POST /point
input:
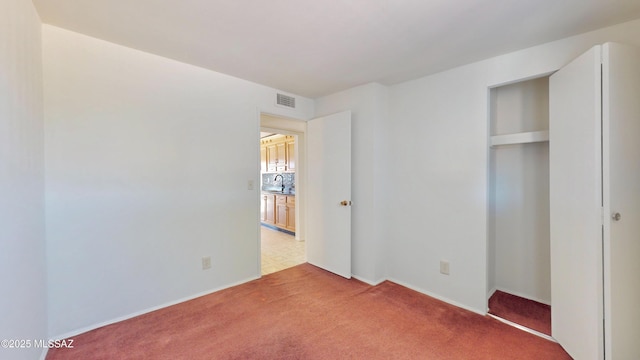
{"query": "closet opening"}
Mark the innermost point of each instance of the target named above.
(519, 265)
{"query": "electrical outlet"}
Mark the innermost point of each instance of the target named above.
(444, 267)
(206, 262)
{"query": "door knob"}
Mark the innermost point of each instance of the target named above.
(345, 203)
(616, 216)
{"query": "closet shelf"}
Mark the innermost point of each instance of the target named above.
(520, 138)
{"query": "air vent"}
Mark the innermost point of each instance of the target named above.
(285, 100)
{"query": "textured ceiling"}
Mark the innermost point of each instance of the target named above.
(316, 47)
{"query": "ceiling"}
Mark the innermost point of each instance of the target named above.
(317, 47)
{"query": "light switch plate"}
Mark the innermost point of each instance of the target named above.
(206, 262)
(444, 267)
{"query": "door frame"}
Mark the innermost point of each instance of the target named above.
(488, 191)
(287, 126)
(605, 344)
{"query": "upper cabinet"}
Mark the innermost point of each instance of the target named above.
(272, 158)
(291, 155)
(281, 157)
(263, 159)
(277, 153)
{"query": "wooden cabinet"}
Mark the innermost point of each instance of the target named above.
(279, 210)
(281, 157)
(277, 154)
(272, 158)
(267, 209)
(291, 213)
(291, 156)
(286, 212)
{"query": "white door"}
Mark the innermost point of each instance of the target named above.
(329, 193)
(575, 206)
(621, 149)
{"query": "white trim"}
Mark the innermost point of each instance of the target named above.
(438, 297)
(287, 125)
(367, 281)
(489, 239)
(526, 78)
(523, 328)
(148, 310)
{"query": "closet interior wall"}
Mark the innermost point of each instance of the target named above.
(519, 254)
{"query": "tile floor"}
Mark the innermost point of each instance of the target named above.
(280, 251)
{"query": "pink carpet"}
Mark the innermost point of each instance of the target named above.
(529, 313)
(307, 313)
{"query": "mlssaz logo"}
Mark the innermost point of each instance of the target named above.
(55, 344)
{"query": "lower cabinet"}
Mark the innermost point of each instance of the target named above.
(279, 210)
(291, 213)
(267, 209)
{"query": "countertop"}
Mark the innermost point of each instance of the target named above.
(278, 192)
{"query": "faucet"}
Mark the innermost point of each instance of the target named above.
(282, 180)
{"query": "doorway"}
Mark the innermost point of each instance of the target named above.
(281, 242)
(519, 276)
(327, 199)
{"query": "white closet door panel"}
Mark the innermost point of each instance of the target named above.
(575, 206)
(621, 117)
(329, 184)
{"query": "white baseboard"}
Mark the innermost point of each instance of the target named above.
(524, 328)
(154, 308)
(367, 281)
(439, 297)
(145, 311)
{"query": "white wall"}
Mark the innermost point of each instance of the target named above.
(22, 248)
(371, 174)
(438, 131)
(147, 164)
